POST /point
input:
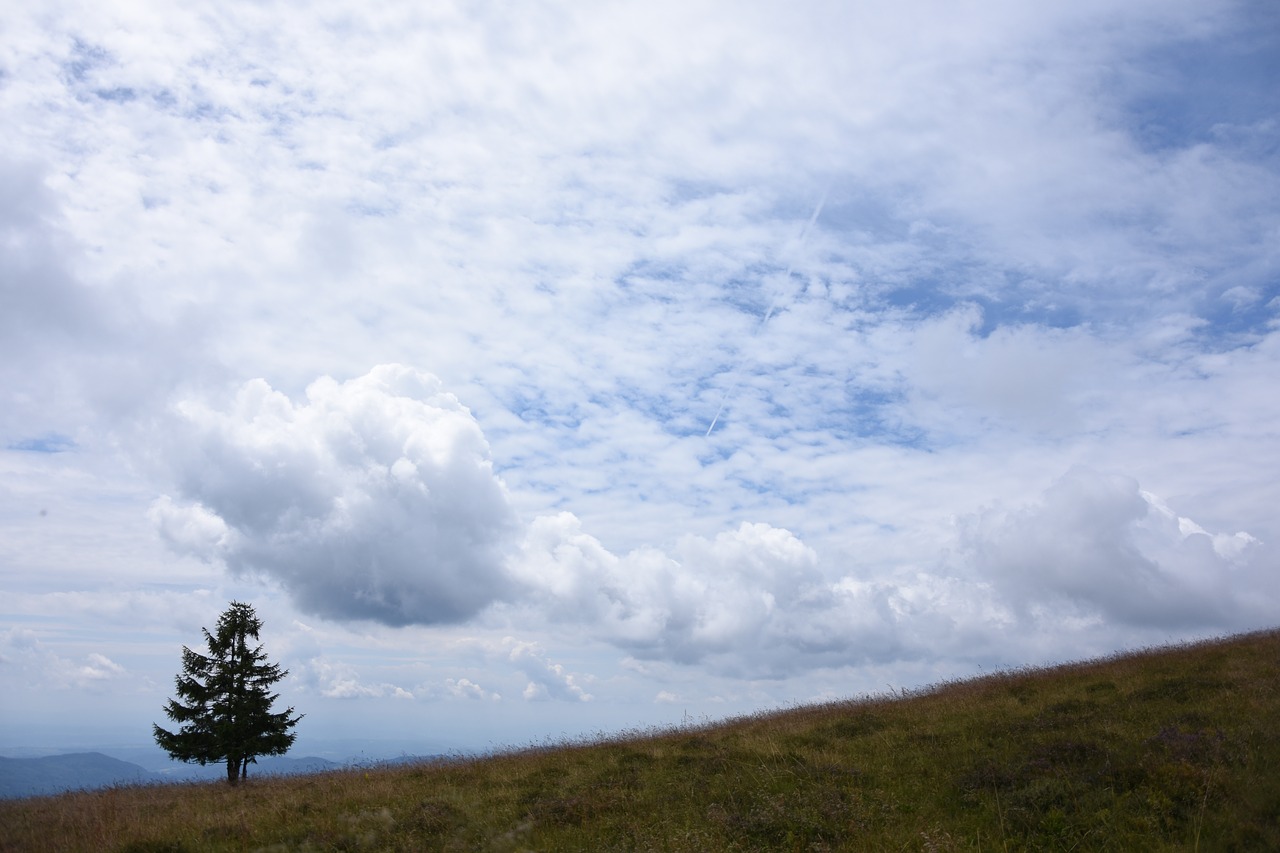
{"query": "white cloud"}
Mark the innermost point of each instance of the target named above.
(1047, 237)
(1019, 375)
(735, 593)
(1242, 297)
(99, 668)
(190, 529)
(1097, 542)
(32, 664)
(374, 499)
(547, 679)
(338, 680)
(750, 602)
(465, 688)
(758, 602)
(1235, 548)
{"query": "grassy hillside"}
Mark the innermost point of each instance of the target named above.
(1173, 749)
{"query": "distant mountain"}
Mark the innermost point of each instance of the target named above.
(264, 766)
(53, 774)
(283, 765)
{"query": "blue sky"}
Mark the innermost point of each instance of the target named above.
(585, 369)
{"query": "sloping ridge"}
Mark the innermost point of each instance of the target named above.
(27, 777)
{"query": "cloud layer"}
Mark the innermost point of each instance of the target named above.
(376, 500)
(982, 299)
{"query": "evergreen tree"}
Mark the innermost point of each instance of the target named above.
(225, 708)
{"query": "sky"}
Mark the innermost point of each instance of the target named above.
(586, 368)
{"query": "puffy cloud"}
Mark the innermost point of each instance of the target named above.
(373, 499)
(758, 602)
(99, 668)
(465, 688)
(342, 681)
(1097, 542)
(547, 679)
(191, 528)
(36, 664)
(751, 600)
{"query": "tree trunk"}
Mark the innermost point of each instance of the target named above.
(233, 770)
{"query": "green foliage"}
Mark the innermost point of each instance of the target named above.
(1171, 750)
(225, 712)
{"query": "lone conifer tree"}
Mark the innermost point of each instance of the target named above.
(225, 708)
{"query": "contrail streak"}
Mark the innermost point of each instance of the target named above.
(804, 233)
(723, 400)
(773, 306)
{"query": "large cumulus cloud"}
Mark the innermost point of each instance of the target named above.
(1094, 551)
(711, 595)
(373, 499)
(1097, 543)
(748, 602)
